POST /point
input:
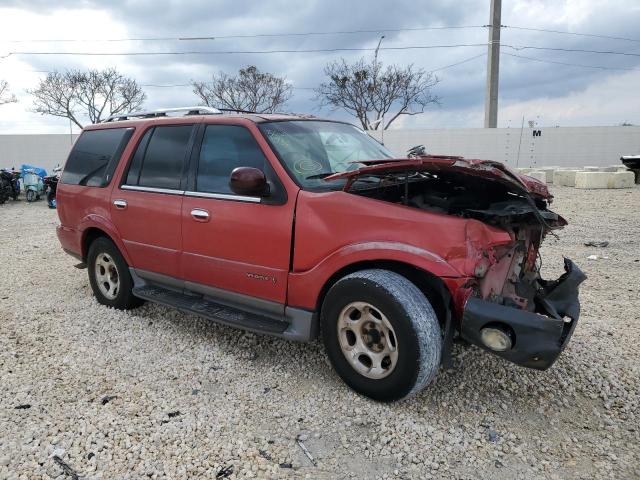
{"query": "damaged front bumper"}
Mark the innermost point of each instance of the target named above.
(537, 339)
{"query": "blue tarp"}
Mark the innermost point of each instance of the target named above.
(37, 170)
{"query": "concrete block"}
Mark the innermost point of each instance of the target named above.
(608, 169)
(621, 180)
(523, 170)
(538, 175)
(591, 169)
(589, 180)
(549, 171)
(565, 178)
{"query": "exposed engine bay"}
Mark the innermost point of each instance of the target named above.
(507, 275)
(471, 197)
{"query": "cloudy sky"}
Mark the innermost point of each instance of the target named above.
(540, 87)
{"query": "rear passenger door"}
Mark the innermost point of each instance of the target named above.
(235, 248)
(146, 208)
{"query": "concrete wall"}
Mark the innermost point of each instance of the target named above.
(44, 151)
(561, 146)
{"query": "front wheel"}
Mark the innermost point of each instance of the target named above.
(31, 195)
(381, 334)
(109, 276)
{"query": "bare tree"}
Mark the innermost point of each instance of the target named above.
(250, 90)
(370, 92)
(95, 94)
(5, 95)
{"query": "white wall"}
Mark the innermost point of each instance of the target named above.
(44, 151)
(561, 146)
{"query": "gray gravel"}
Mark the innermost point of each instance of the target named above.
(158, 394)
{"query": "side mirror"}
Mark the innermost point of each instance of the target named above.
(249, 181)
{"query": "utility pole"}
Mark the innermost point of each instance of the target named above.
(493, 67)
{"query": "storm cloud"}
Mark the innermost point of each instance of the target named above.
(522, 80)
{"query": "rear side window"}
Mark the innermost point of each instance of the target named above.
(160, 157)
(94, 157)
(225, 147)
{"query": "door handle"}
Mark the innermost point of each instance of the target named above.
(200, 215)
(120, 204)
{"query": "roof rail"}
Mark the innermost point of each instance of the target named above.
(162, 112)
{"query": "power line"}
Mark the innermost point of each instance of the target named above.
(599, 67)
(258, 35)
(322, 50)
(237, 52)
(565, 32)
(175, 85)
(578, 50)
(319, 33)
(458, 63)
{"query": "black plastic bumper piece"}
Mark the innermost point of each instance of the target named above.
(538, 338)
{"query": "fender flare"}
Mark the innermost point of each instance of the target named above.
(305, 287)
(96, 221)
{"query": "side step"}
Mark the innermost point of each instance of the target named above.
(217, 312)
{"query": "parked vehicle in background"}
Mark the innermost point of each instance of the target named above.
(51, 185)
(32, 184)
(9, 185)
(632, 162)
(291, 225)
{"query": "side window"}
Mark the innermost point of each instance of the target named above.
(95, 156)
(160, 157)
(133, 176)
(225, 147)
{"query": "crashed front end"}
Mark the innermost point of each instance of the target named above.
(512, 311)
(529, 321)
(504, 307)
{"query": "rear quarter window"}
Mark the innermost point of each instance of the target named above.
(94, 157)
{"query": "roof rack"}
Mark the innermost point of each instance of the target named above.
(162, 112)
(237, 110)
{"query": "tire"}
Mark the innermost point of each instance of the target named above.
(109, 276)
(31, 195)
(410, 349)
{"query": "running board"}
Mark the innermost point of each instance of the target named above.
(216, 312)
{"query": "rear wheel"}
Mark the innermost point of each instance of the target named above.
(381, 334)
(109, 276)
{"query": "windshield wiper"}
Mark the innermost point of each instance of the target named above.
(319, 175)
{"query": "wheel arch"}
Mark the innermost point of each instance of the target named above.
(433, 288)
(91, 233)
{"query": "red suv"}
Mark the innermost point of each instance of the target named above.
(291, 225)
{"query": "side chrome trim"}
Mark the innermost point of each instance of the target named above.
(224, 196)
(137, 188)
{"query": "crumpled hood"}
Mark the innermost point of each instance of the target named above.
(487, 169)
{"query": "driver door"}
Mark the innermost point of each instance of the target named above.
(234, 246)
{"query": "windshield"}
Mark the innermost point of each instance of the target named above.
(312, 150)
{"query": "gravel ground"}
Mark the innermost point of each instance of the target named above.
(158, 394)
